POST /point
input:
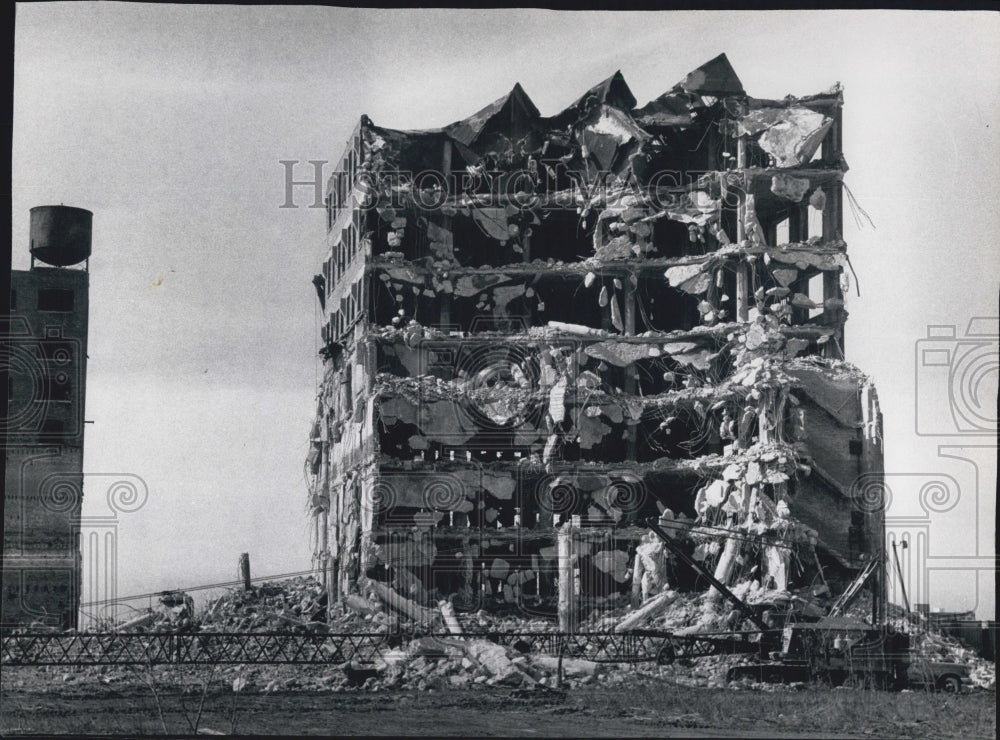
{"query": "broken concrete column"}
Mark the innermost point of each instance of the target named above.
(567, 582)
(494, 659)
(873, 465)
(777, 560)
(400, 604)
(742, 293)
(450, 620)
(651, 561)
(656, 605)
(724, 568)
(467, 590)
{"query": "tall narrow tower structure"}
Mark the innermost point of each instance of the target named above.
(45, 349)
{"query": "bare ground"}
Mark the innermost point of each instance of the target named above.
(53, 702)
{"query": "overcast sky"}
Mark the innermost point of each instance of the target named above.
(168, 122)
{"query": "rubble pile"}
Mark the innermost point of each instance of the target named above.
(942, 648)
(174, 612)
(434, 664)
(294, 605)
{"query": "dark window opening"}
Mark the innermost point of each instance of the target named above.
(55, 299)
(661, 307)
(566, 299)
(347, 402)
(674, 239)
(561, 235)
(475, 247)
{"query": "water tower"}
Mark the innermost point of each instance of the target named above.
(60, 235)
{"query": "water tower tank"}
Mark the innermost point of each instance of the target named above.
(60, 235)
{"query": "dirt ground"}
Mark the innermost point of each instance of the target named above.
(51, 701)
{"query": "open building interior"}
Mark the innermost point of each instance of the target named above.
(540, 332)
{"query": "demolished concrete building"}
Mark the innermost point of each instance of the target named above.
(540, 332)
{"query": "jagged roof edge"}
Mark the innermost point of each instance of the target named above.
(467, 129)
(716, 76)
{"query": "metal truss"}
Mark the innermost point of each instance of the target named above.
(206, 648)
(198, 648)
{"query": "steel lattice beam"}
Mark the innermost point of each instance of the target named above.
(200, 648)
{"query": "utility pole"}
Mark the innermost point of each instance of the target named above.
(245, 570)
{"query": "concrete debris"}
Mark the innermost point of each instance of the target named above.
(139, 622)
(937, 647)
(649, 576)
(785, 276)
(612, 562)
(620, 354)
(650, 608)
(790, 188)
(459, 664)
(571, 667)
(790, 135)
(685, 277)
(296, 605)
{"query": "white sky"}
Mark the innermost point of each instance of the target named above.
(168, 122)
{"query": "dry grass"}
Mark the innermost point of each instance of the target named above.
(813, 710)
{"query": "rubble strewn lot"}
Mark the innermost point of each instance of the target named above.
(416, 660)
(460, 684)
